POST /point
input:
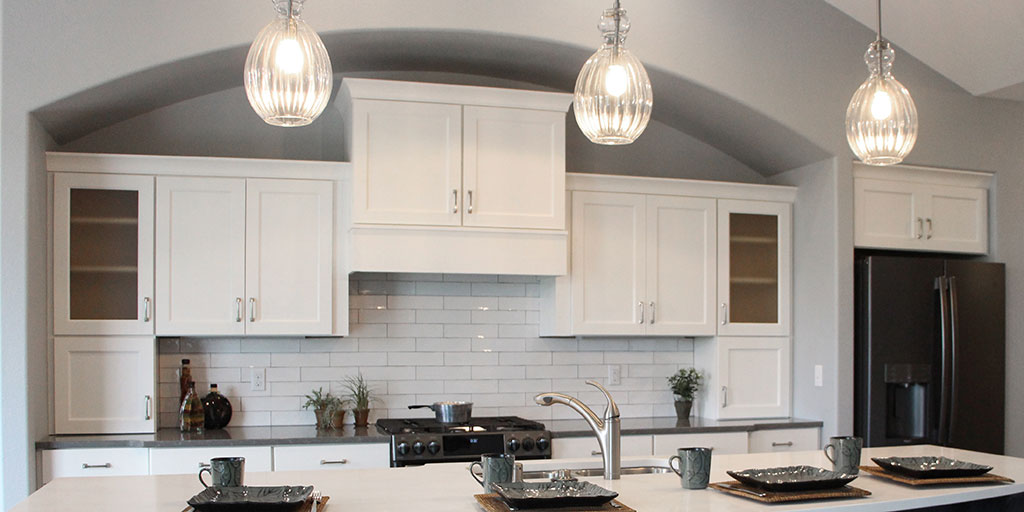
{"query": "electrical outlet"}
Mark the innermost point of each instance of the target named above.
(258, 380)
(614, 375)
(818, 377)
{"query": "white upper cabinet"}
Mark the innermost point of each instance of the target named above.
(747, 377)
(102, 254)
(754, 268)
(921, 209)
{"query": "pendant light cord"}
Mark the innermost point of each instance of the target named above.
(618, 19)
(878, 49)
(290, 8)
(879, 12)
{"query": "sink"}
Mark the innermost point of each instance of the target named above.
(589, 472)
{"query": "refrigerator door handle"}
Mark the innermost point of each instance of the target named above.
(954, 337)
(942, 285)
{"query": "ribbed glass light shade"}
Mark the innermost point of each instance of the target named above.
(613, 98)
(881, 121)
(288, 74)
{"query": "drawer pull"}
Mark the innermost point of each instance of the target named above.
(596, 453)
(787, 443)
(204, 465)
(97, 466)
(324, 462)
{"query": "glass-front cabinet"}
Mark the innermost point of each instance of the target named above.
(754, 274)
(103, 254)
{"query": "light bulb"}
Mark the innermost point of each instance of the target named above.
(616, 79)
(288, 57)
(881, 105)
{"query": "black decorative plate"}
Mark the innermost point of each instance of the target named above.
(930, 467)
(250, 499)
(792, 478)
(553, 494)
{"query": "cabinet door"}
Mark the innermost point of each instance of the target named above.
(958, 220)
(102, 254)
(754, 376)
(754, 267)
(681, 266)
(888, 214)
(608, 243)
(513, 168)
(332, 456)
(200, 256)
(406, 163)
(104, 385)
(288, 265)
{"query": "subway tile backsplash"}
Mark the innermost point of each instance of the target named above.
(422, 338)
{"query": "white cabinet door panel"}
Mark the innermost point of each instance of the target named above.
(180, 461)
(608, 274)
(332, 456)
(754, 376)
(78, 462)
(785, 440)
(886, 214)
(681, 265)
(513, 168)
(289, 246)
(200, 256)
(587, 447)
(104, 385)
(958, 220)
(720, 443)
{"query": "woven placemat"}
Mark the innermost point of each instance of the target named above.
(744, 491)
(981, 479)
(307, 506)
(494, 503)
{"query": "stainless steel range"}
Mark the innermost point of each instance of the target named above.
(423, 441)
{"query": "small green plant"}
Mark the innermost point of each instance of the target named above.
(686, 382)
(326, 405)
(359, 393)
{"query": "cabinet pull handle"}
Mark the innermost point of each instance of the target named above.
(97, 466)
(725, 313)
(149, 407)
(725, 396)
(652, 313)
(641, 304)
(324, 462)
(469, 208)
(455, 200)
(238, 309)
(252, 309)
(145, 314)
(204, 465)
(920, 228)
(787, 443)
(596, 453)
(929, 221)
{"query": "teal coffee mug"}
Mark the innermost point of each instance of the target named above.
(495, 468)
(694, 467)
(224, 472)
(845, 454)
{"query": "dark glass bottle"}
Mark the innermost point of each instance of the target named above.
(191, 417)
(217, 409)
(184, 378)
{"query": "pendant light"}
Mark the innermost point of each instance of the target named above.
(288, 74)
(881, 121)
(613, 97)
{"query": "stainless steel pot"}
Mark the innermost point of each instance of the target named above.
(449, 412)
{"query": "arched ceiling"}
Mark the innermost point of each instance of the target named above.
(750, 137)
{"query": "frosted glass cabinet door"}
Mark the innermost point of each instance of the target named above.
(104, 385)
(754, 268)
(102, 254)
(288, 257)
(754, 376)
(200, 256)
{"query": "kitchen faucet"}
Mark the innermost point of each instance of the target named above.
(606, 429)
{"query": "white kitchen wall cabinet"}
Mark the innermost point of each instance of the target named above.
(921, 209)
(754, 268)
(746, 377)
(182, 461)
(332, 456)
(94, 462)
(102, 254)
(104, 384)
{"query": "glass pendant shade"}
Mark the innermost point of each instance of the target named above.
(288, 74)
(613, 98)
(881, 121)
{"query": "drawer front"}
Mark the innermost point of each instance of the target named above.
(331, 456)
(177, 461)
(785, 440)
(720, 443)
(95, 462)
(587, 447)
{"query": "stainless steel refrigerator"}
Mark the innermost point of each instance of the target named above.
(930, 352)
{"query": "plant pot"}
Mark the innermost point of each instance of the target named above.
(683, 408)
(319, 413)
(338, 421)
(362, 417)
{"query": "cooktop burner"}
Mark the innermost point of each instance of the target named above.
(432, 426)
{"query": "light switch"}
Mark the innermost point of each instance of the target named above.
(818, 377)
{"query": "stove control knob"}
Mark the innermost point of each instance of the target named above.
(527, 443)
(543, 444)
(418, 448)
(513, 445)
(433, 447)
(402, 448)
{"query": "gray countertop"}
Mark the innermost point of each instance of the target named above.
(266, 436)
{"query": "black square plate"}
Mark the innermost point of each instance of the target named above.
(553, 494)
(251, 499)
(930, 467)
(792, 478)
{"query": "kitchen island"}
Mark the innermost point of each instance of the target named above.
(449, 487)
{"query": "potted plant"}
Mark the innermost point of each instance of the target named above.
(684, 384)
(361, 397)
(329, 410)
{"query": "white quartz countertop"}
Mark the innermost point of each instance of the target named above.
(449, 487)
